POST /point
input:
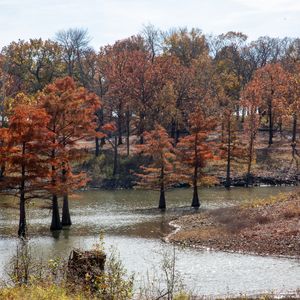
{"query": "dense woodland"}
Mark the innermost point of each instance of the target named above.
(178, 99)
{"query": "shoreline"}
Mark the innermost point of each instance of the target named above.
(199, 247)
(238, 181)
(209, 230)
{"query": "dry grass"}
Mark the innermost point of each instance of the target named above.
(256, 203)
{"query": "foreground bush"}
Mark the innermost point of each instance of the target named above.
(84, 276)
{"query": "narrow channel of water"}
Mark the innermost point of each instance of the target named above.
(134, 227)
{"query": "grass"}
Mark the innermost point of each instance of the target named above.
(281, 197)
(39, 292)
(54, 292)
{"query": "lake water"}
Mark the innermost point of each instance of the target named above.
(134, 226)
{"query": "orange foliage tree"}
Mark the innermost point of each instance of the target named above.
(182, 83)
(72, 118)
(146, 80)
(194, 150)
(23, 147)
(159, 174)
(271, 88)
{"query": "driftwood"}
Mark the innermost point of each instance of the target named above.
(85, 264)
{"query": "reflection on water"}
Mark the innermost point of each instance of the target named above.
(133, 226)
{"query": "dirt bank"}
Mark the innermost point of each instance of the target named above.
(270, 226)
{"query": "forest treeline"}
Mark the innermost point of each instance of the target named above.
(180, 98)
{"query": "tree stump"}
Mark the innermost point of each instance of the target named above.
(85, 266)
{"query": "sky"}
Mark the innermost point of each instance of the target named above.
(111, 20)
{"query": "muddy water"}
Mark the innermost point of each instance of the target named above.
(133, 225)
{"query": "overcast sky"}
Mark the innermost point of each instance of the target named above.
(110, 20)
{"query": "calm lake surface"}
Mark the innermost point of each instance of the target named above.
(134, 226)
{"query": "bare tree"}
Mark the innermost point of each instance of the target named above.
(75, 43)
(153, 39)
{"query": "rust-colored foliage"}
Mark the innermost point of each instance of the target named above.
(271, 89)
(72, 118)
(23, 147)
(159, 174)
(194, 150)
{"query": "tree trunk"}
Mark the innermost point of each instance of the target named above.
(162, 199)
(2, 171)
(115, 167)
(270, 123)
(237, 112)
(228, 180)
(280, 129)
(97, 147)
(250, 157)
(195, 201)
(177, 136)
(66, 218)
(55, 224)
(141, 128)
(294, 135)
(120, 140)
(101, 122)
(243, 115)
(173, 129)
(270, 115)
(22, 221)
(222, 131)
(141, 139)
(127, 133)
